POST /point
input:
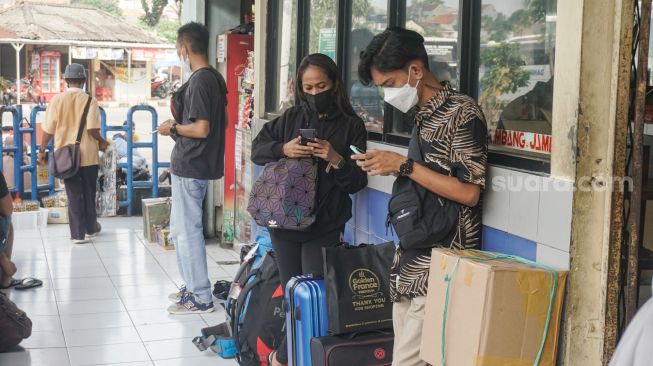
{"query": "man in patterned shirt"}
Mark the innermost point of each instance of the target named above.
(453, 136)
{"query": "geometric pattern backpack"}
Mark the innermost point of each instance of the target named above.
(283, 196)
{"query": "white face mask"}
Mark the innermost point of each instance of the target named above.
(186, 70)
(403, 98)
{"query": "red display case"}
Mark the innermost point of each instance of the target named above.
(232, 52)
(49, 78)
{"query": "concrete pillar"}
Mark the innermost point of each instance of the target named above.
(605, 45)
(193, 11)
(260, 57)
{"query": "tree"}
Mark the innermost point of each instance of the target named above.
(504, 74)
(153, 13)
(536, 9)
(323, 15)
(360, 8)
(497, 28)
(110, 6)
(177, 8)
(168, 30)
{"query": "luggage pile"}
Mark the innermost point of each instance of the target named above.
(254, 307)
(344, 318)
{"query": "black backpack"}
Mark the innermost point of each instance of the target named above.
(255, 313)
(177, 98)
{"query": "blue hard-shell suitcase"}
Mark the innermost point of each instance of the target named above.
(306, 317)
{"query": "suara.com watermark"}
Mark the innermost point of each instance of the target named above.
(532, 183)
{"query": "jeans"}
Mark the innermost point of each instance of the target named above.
(187, 233)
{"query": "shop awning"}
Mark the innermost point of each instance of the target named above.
(78, 26)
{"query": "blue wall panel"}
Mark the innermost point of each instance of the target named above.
(499, 241)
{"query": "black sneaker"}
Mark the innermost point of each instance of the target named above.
(96, 233)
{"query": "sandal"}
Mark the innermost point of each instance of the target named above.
(29, 282)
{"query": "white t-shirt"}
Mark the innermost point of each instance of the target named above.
(635, 347)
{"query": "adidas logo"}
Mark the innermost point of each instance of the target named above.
(272, 223)
(403, 214)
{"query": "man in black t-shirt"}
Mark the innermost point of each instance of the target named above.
(198, 156)
(7, 267)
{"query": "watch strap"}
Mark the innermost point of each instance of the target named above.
(406, 168)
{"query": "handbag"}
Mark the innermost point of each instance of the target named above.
(283, 196)
(14, 323)
(357, 281)
(66, 159)
(421, 218)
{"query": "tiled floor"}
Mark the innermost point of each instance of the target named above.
(104, 303)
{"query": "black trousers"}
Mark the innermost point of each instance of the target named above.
(296, 258)
(81, 190)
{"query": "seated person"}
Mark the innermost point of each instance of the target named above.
(139, 163)
(7, 267)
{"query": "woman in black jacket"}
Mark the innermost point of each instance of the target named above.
(324, 107)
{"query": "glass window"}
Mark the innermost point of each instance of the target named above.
(45, 75)
(369, 17)
(516, 74)
(56, 81)
(283, 87)
(323, 27)
(437, 21)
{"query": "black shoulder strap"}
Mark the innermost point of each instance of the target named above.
(82, 123)
(415, 146)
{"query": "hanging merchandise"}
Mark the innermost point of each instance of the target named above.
(244, 168)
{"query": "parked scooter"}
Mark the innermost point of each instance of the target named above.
(27, 92)
(161, 86)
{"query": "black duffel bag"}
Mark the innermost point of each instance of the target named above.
(367, 349)
(421, 218)
(357, 281)
(14, 324)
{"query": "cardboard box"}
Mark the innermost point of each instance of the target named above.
(57, 215)
(156, 211)
(496, 313)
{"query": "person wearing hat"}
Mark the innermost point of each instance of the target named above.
(62, 120)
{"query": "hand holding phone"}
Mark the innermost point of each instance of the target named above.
(307, 135)
(356, 150)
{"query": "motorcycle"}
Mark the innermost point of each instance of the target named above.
(27, 92)
(160, 86)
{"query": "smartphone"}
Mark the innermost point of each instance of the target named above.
(356, 150)
(307, 135)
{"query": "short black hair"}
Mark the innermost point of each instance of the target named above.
(391, 50)
(196, 35)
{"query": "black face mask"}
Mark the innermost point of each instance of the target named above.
(322, 102)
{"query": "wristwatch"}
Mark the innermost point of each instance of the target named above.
(406, 168)
(173, 129)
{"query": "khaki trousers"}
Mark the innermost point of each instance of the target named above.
(407, 319)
